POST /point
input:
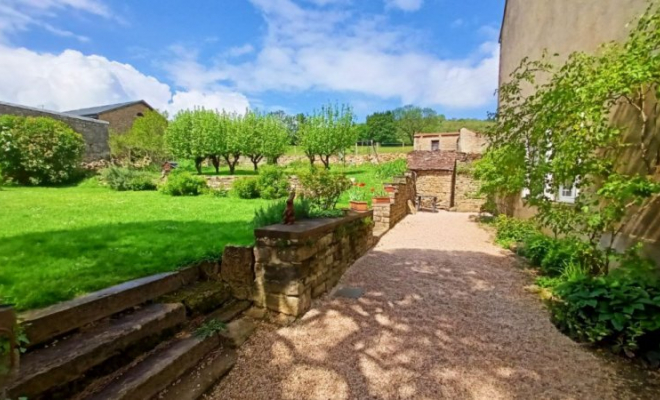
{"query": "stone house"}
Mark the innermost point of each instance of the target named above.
(564, 26)
(120, 116)
(464, 141)
(93, 131)
(442, 174)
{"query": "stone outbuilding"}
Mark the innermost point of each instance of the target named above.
(120, 116)
(93, 131)
(463, 141)
(445, 175)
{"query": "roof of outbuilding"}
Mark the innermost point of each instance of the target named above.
(85, 112)
(432, 134)
(51, 112)
(441, 160)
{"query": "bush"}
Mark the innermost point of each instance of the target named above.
(184, 184)
(273, 182)
(621, 313)
(391, 169)
(123, 179)
(38, 150)
(513, 230)
(246, 188)
(323, 187)
(274, 213)
(145, 140)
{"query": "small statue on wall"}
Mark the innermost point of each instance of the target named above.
(289, 216)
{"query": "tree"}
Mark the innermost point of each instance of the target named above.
(568, 134)
(195, 134)
(145, 139)
(275, 138)
(233, 127)
(329, 131)
(381, 127)
(411, 120)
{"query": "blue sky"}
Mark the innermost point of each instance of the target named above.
(269, 54)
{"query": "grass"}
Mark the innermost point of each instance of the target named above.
(59, 243)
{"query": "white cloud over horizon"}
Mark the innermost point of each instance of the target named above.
(330, 50)
(72, 80)
(405, 5)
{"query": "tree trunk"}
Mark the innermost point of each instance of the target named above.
(255, 161)
(312, 158)
(326, 161)
(216, 163)
(232, 163)
(198, 164)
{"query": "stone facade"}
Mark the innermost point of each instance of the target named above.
(351, 159)
(121, 119)
(471, 142)
(296, 263)
(466, 188)
(386, 216)
(436, 183)
(446, 141)
(95, 133)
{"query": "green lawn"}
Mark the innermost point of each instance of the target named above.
(58, 243)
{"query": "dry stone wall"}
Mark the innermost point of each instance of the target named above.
(292, 264)
(388, 215)
(436, 183)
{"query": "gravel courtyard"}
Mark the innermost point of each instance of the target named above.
(444, 315)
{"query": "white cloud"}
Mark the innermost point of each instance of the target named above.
(22, 15)
(310, 49)
(240, 50)
(405, 5)
(73, 80)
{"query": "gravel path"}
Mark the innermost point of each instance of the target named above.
(444, 315)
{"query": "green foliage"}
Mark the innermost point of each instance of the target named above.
(328, 131)
(263, 136)
(566, 134)
(210, 328)
(184, 184)
(411, 120)
(389, 170)
(620, 313)
(273, 213)
(319, 213)
(273, 182)
(38, 150)
(381, 127)
(513, 230)
(358, 193)
(246, 188)
(145, 140)
(323, 187)
(123, 178)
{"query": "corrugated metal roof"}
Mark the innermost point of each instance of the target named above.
(94, 111)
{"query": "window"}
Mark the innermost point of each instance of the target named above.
(435, 145)
(567, 194)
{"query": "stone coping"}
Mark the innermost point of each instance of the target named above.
(305, 228)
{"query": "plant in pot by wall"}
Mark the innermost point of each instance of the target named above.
(390, 189)
(380, 196)
(358, 198)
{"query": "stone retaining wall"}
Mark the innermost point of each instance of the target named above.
(388, 215)
(292, 264)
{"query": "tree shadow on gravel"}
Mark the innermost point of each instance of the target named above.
(431, 324)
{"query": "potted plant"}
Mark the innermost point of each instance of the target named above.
(380, 197)
(390, 189)
(358, 199)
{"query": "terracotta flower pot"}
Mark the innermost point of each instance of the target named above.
(390, 189)
(359, 206)
(380, 200)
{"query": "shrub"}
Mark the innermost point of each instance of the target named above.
(536, 247)
(122, 179)
(220, 192)
(273, 213)
(323, 187)
(513, 230)
(145, 140)
(621, 313)
(273, 182)
(391, 169)
(246, 188)
(184, 184)
(38, 150)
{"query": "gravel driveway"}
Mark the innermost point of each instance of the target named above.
(443, 315)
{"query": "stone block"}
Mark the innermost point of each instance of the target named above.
(261, 254)
(293, 253)
(237, 265)
(319, 290)
(290, 305)
(292, 288)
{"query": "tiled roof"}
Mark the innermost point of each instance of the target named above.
(431, 134)
(95, 111)
(440, 160)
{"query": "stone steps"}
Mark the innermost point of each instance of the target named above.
(52, 371)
